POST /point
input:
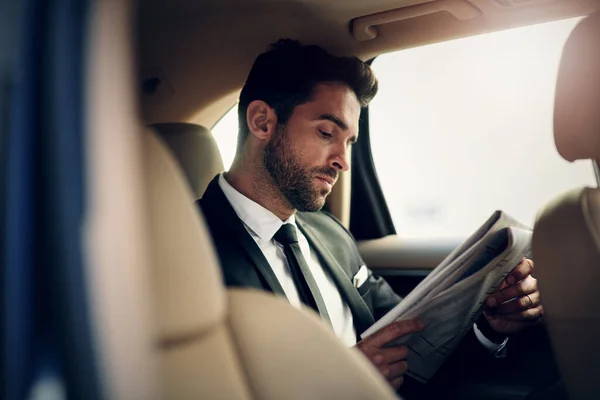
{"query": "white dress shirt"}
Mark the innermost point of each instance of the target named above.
(262, 225)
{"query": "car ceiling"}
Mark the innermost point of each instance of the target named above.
(193, 55)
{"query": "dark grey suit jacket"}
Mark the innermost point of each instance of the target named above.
(244, 265)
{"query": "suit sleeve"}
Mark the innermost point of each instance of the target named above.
(376, 292)
(383, 296)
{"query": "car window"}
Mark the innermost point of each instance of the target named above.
(462, 128)
(225, 134)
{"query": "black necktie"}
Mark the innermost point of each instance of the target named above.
(303, 279)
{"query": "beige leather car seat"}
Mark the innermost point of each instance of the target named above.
(196, 150)
(214, 343)
(566, 240)
(165, 327)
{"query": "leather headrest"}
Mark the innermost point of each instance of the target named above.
(188, 289)
(577, 104)
(196, 150)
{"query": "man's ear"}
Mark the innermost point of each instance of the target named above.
(261, 119)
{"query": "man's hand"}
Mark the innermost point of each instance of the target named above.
(390, 361)
(516, 304)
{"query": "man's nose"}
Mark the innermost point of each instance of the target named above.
(340, 160)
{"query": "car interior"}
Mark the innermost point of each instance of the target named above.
(567, 227)
(111, 121)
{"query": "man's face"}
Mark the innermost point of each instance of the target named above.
(305, 156)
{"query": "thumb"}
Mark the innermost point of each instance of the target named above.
(395, 330)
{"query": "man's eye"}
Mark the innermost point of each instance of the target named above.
(326, 134)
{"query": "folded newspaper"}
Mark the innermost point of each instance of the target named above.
(450, 299)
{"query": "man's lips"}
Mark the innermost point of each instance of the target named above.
(327, 179)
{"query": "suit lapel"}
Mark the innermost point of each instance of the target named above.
(224, 218)
(363, 318)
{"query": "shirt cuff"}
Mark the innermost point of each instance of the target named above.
(497, 349)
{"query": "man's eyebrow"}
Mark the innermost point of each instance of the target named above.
(335, 120)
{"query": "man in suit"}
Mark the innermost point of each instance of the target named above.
(298, 117)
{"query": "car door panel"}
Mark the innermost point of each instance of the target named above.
(404, 262)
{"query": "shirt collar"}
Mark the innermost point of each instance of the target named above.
(260, 220)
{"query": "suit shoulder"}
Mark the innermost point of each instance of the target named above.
(324, 220)
(201, 206)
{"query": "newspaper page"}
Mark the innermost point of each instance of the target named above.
(451, 298)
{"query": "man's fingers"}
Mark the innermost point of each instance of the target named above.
(520, 272)
(395, 370)
(396, 383)
(394, 373)
(390, 355)
(393, 331)
(390, 361)
(519, 304)
(503, 284)
(520, 289)
(529, 315)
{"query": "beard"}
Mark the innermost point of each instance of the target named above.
(293, 179)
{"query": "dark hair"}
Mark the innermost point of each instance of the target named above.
(286, 75)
